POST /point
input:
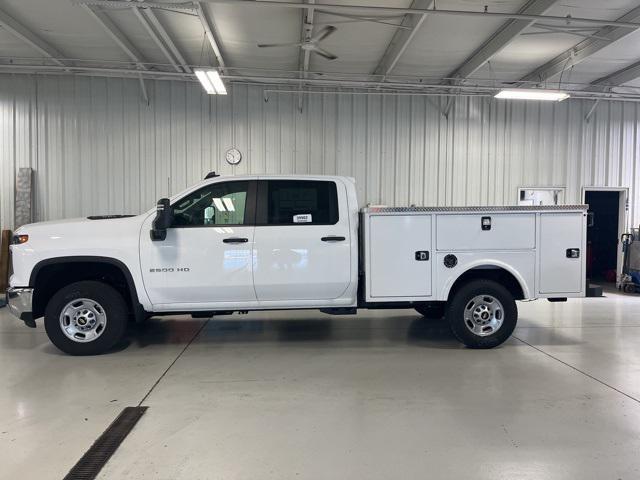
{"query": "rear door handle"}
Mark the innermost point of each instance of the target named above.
(333, 239)
(235, 240)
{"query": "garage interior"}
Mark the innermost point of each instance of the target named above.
(102, 113)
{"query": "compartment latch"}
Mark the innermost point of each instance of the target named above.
(573, 253)
(422, 255)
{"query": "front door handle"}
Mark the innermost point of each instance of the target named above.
(235, 240)
(333, 239)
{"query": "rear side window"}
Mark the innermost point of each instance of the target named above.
(301, 202)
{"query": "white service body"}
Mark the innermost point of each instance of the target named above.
(530, 243)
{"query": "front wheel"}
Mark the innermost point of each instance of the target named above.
(86, 318)
(482, 314)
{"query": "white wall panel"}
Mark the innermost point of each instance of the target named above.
(97, 147)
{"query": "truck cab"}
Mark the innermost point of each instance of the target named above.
(265, 242)
(255, 243)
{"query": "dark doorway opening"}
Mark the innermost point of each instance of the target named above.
(602, 234)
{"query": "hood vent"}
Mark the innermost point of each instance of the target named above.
(108, 217)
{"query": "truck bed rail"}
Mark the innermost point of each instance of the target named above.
(502, 208)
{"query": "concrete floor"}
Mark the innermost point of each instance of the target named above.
(382, 395)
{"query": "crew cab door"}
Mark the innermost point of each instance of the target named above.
(206, 258)
(302, 241)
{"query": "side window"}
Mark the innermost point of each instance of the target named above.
(215, 204)
(302, 202)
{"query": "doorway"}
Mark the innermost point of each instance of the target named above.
(605, 224)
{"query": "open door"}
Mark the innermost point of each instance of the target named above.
(606, 223)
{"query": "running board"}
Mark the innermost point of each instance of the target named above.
(340, 311)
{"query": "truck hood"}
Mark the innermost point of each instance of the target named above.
(84, 227)
(114, 238)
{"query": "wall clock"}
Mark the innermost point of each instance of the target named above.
(233, 156)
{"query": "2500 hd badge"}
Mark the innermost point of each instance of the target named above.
(168, 270)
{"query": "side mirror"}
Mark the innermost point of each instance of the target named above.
(163, 220)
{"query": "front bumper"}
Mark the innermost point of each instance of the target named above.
(19, 301)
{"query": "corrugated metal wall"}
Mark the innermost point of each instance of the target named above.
(96, 147)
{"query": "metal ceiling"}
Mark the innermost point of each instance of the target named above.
(587, 47)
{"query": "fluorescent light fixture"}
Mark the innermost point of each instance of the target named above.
(211, 82)
(214, 76)
(532, 94)
(206, 83)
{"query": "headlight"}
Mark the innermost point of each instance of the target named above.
(19, 239)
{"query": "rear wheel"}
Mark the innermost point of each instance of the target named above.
(482, 314)
(86, 318)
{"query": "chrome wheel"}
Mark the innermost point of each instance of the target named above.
(483, 315)
(83, 320)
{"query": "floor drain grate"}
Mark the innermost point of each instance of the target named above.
(98, 455)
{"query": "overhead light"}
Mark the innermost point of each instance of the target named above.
(532, 94)
(214, 76)
(211, 82)
(206, 83)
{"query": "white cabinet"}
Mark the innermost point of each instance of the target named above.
(399, 256)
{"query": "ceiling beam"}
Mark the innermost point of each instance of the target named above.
(366, 86)
(123, 42)
(379, 19)
(401, 39)
(167, 39)
(307, 30)
(210, 33)
(566, 20)
(96, 71)
(117, 36)
(617, 78)
(18, 30)
(583, 50)
(304, 56)
(500, 39)
(154, 36)
(181, 7)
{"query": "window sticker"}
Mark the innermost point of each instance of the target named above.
(302, 218)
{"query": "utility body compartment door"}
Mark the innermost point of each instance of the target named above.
(561, 253)
(399, 257)
(486, 231)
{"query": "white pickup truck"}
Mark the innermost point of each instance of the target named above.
(268, 242)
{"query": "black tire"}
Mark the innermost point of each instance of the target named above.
(456, 314)
(431, 311)
(111, 302)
